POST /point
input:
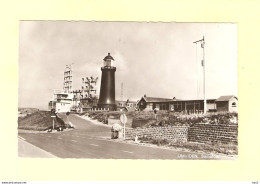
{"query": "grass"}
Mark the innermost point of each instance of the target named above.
(135, 118)
(40, 120)
(164, 118)
(228, 149)
(24, 110)
(111, 114)
(100, 115)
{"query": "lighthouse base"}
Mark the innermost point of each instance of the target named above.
(110, 107)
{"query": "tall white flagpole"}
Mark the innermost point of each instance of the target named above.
(202, 41)
(204, 78)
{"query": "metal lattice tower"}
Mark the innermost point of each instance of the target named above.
(67, 85)
(89, 87)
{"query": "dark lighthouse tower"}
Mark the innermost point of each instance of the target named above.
(107, 89)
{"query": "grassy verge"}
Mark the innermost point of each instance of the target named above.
(165, 118)
(227, 149)
(103, 115)
(40, 120)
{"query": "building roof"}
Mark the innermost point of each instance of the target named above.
(155, 99)
(197, 100)
(225, 98)
(108, 57)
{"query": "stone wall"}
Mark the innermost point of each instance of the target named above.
(198, 133)
(174, 133)
(213, 133)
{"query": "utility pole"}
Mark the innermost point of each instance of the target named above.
(202, 42)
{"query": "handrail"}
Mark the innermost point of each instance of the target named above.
(108, 67)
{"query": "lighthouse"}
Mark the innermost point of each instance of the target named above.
(107, 88)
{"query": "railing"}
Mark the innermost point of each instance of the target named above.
(108, 67)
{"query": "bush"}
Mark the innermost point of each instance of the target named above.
(160, 142)
(178, 119)
(165, 118)
(40, 120)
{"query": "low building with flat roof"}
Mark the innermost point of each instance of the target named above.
(189, 106)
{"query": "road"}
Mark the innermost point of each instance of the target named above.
(90, 140)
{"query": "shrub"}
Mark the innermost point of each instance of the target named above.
(160, 142)
(179, 119)
(40, 120)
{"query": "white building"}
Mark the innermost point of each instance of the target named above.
(61, 102)
(227, 103)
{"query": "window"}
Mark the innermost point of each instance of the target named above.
(177, 106)
(162, 106)
(234, 104)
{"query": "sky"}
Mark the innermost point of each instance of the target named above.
(156, 59)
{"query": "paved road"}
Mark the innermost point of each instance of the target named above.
(90, 140)
(26, 149)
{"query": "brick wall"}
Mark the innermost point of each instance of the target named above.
(214, 133)
(173, 133)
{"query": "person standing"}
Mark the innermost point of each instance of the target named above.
(155, 113)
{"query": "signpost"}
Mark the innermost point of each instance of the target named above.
(123, 120)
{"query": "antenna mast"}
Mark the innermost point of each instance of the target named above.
(202, 42)
(122, 90)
